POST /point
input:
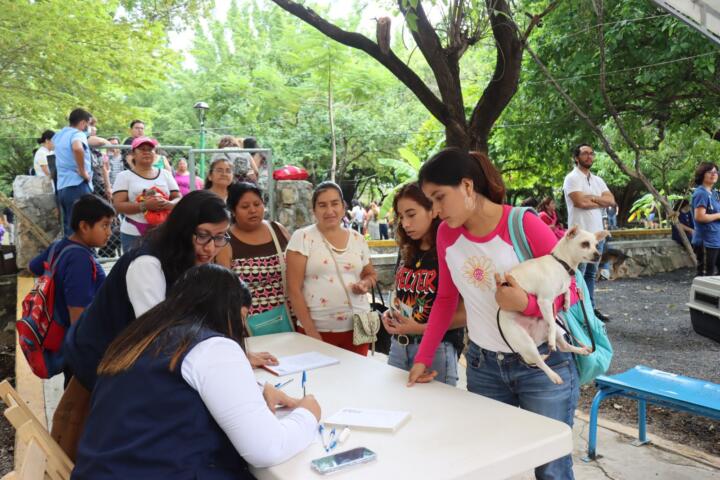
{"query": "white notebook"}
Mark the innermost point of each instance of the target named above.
(388, 420)
(298, 363)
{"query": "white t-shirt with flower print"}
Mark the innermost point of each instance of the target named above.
(323, 292)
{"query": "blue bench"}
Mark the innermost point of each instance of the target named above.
(645, 385)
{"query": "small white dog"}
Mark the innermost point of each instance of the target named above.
(547, 277)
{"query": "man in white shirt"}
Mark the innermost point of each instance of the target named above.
(586, 195)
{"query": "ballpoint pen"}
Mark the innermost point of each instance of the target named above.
(304, 379)
(282, 384)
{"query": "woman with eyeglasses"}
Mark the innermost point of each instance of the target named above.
(706, 207)
(192, 235)
(220, 176)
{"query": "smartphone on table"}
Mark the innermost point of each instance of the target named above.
(342, 460)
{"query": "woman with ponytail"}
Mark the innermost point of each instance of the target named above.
(40, 163)
(474, 249)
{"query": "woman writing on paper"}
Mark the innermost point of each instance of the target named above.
(474, 247)
(255, 252)
(329, 273)
(416, 283)
(176, 396)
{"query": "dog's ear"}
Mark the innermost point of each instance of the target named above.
(572, 232)
(600, 236)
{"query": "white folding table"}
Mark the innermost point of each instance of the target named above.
(452, 433)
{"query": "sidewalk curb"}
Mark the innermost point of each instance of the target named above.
(661, 443)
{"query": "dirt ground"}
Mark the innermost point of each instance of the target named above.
(650, 325)
(7, 372)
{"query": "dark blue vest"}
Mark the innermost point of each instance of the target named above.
(108, 315)
(148, 423)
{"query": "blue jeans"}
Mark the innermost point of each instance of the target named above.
(589, 271)
(66, 198)
(505, 378)
(129, 242)
(444, 362)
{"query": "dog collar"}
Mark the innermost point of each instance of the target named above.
(565, 265)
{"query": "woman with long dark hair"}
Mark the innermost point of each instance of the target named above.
(474, 249)
(416, 284)
(192, 235)
(176, 396)
(548, 214)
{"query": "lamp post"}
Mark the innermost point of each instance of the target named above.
(201, 108)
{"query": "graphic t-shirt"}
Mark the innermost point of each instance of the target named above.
(415, 289)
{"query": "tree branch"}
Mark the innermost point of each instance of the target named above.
(504, 82)
(444, 64)
(535, 20)
(600, 11)
(390, 61)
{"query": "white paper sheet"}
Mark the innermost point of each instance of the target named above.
(365, 418)
(298, 363)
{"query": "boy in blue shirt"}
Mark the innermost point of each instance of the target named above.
(78, 275)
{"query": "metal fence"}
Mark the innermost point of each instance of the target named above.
(197, 163)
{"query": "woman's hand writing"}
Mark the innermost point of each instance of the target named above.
(260, 359)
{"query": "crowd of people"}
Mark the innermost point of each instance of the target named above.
(159, 382)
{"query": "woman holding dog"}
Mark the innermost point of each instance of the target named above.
(474, 248)
(416, 284)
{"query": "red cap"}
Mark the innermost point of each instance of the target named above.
(142, 141)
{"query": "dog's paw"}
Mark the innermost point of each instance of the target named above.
(555, 378)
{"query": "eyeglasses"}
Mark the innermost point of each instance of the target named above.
(590, 154)
(203, 238)
(712, 172)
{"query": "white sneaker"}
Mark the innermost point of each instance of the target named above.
(605, 274)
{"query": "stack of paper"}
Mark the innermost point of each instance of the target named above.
(301, 362)
(388, 420)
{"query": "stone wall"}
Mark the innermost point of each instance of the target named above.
(637, 258)
(293, 207)
(647, 257)
(35, 197)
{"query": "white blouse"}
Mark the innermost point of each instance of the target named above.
(324, 293)
(219, 371)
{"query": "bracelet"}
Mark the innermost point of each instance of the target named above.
(143, 208)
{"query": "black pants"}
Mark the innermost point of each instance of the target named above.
(711, 260)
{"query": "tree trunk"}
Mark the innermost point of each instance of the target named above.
(331, 116)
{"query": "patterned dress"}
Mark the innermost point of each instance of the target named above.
(259, 267)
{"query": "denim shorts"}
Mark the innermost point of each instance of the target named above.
(444, 362)
(504, 377)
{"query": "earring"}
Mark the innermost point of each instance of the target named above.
(469, 203)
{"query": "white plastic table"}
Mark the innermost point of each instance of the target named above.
(452, 433)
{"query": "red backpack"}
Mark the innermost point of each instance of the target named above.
(41, 332)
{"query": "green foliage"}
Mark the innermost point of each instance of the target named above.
(662, 77)
(60, 54)
(266, 74)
